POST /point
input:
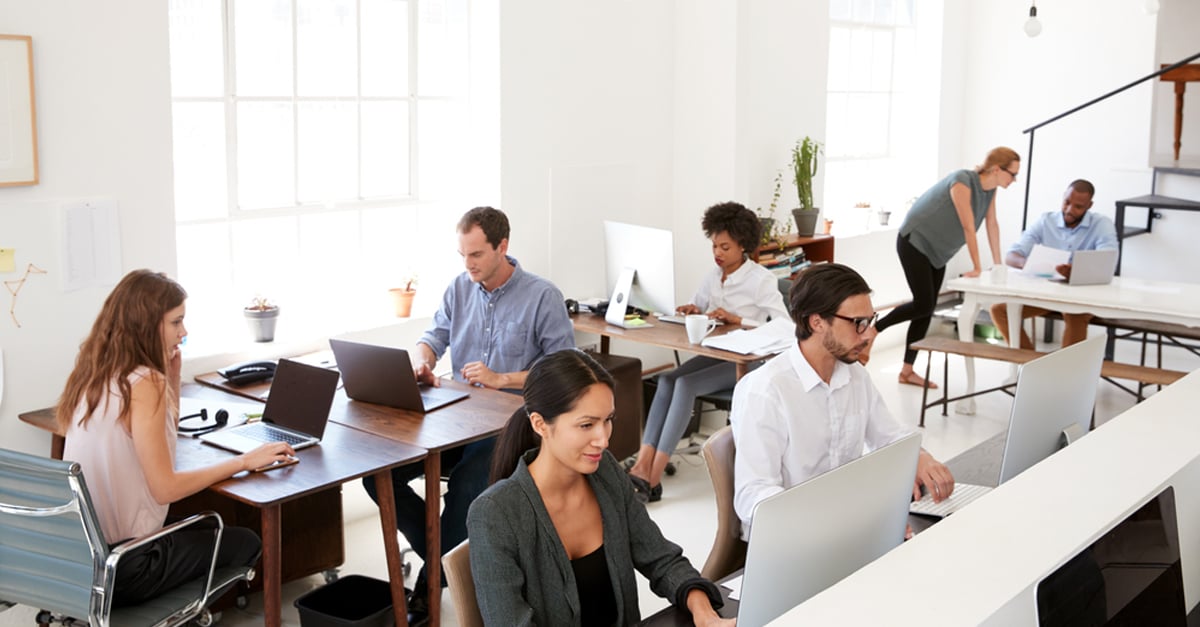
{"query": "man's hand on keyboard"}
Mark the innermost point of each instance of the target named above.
(934, 476)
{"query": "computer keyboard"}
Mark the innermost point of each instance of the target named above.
(266, 433)
(963, 493)
(681, 320)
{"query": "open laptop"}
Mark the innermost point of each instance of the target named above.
(1092, 267)
(384, 375)
(814, 534)
(296, 412)
(1055, 397)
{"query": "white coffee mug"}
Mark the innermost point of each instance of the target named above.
(698, 326)
(999, 274)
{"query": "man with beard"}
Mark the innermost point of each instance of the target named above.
(814, 407)
(1074, 228)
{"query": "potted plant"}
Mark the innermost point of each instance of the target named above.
(772, 229)
(402, 297)
(804, 168)
(261, 316)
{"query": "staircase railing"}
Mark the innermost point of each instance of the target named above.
(1031, 130)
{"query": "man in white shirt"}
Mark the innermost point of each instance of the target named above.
(814, 407)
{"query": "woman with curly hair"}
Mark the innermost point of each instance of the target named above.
(736, 291)
(120, 413)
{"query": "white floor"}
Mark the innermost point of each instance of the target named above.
(687, 513)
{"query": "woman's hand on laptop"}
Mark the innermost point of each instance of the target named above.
(266, 455)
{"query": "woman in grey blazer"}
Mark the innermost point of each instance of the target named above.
(557, 542)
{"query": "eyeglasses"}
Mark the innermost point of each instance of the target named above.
(1012, 174)
(860, 324)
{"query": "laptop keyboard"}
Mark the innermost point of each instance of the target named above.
(264, 432)
(963, 493)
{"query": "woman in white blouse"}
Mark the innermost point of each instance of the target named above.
(736, 291)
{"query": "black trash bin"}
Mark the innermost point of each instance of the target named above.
(352, 601)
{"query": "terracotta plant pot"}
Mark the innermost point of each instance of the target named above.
(402, 300)
(262, 323)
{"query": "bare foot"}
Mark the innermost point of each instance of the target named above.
(913, 378)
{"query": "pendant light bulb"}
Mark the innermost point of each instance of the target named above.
(1033, 27)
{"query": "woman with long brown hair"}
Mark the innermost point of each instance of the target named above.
(120, 412)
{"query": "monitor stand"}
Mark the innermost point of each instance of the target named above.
(1070, 435)
(615, 315)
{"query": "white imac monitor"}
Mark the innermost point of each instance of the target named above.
(651, 254)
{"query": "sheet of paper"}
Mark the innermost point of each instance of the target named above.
(1043, 259)
(91, 244)
(734, 584)
(768, 339)
(1, 376)
(8, 259)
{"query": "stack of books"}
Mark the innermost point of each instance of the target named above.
(784, 263)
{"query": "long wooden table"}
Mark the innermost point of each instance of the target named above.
(345, 454)
(1137, 299)
(481, 415)
(663, 335)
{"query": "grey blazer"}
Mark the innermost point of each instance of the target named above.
(521, 570)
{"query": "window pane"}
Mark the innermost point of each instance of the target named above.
(864, 10)
(385, 168)
(328, 152)
(884, 12)
(905, 66)
(204, 271)
(198, 129)
(326, 57)
(867, 131)
(839, 9)
(266, 155)
(439, 145)
(836, 134)
(860, 59)
(442, 47)
(265, 257)
(263, 32)
(384, 43)
(905, 12)
(196, 55)
(839, 59)
(330, 255)
(881, 60)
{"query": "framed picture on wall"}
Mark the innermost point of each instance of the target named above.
(18, 117)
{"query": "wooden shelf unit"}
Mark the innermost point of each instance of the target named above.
(816, 248)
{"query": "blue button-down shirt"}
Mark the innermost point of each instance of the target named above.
(507, 328)
(1094, 232)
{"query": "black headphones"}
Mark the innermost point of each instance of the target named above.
(221, 418)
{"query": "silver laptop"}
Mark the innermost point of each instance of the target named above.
(814, 534)
(384, 375)
(296, 412)
(1092, 267)
(1055, 395)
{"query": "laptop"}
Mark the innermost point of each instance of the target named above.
(1054, 400)
(1092, 267)
(814, 534)
(678, 319)
(384, 375)
(296, 412)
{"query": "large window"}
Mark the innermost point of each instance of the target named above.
(317, 146)
(881, 131)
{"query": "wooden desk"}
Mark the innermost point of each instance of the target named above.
(1138, 299)
(481, 415)
(663, 335)
(344, 454)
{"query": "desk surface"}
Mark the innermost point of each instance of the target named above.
(663, 335)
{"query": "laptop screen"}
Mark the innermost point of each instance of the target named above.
(301, 396)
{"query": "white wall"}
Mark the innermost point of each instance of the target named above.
(104, 127)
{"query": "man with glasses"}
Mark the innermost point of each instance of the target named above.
(1074, 228)
(814, 407)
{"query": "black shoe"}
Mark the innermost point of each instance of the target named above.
(641, 488)
(418, 607)
(656, 493)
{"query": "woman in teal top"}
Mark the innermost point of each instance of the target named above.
(943, 219)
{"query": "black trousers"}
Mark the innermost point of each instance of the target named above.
(924, 280)
(171, 561)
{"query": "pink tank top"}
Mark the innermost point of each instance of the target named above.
(120, 494)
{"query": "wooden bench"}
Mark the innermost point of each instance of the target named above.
(1110, 370)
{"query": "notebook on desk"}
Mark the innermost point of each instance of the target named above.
(297, 411)
(1055, 394)
(384, 375)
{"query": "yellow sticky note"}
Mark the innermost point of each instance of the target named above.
(8, 259)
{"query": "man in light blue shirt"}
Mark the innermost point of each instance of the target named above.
(1072, 229)
(497, 320)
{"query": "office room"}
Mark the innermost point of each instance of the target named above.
(563, 115)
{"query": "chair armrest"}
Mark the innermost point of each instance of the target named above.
(114, 556)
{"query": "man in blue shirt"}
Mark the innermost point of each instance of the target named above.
(498, 320)
(1071, 229)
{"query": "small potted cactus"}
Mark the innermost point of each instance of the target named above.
(261, 315)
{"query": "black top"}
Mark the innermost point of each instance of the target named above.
(597, 605)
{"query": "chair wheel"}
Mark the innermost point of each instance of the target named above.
(330, 575)
(204, 619)
(241, 602)
(670, 469)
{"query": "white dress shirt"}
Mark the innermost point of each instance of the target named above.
(751, 292)
(790, 426)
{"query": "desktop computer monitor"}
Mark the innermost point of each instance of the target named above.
(650, 253)
(1055, 394)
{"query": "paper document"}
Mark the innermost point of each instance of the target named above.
(1042, 260)
(770, 338)
(734, 584)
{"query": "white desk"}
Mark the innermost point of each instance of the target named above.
(1139, 299)
(981, 565)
